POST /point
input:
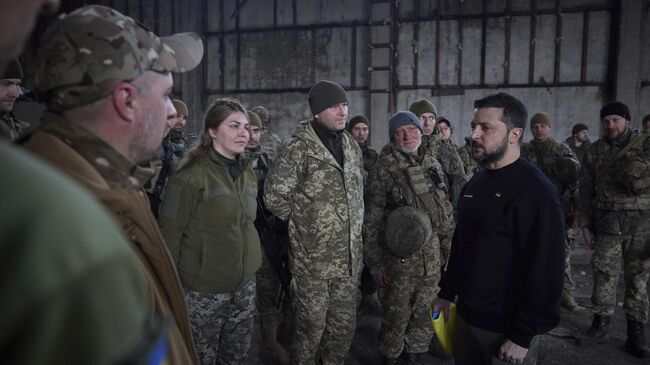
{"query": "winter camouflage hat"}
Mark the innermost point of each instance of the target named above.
(263, 113)
(407, 230)
(84, 54)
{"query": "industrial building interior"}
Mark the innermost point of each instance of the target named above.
(566, 58)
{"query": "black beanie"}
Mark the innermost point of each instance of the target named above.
(325, 94)
(356, 120)
(13, 70)
(615, 108)
(579, 127)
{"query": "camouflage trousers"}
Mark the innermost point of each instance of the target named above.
(268, 290)
(622, 235)
(406, 325)
(569, 283)
(222, 324)
(325, 314)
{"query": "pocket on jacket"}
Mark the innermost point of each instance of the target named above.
(191, 257)
(609, 223)
(251, 202)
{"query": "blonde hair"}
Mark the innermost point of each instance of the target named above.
(216, 114)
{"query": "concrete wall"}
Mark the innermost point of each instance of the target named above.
(270, 52)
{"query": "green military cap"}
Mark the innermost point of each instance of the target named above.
(262, 112)
(84, 54)
(422, 106)
(181, 107)
(407, 230)
(254, 119)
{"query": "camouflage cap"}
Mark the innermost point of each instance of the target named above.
(254, 119)
(84, 54)
(262, 112)
(407, 230)
(181, 107)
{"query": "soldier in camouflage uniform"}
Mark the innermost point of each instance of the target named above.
(359, 128)
(271, 291)
(317, 184)
(106, 82)
(614, 213)
(444, 152)
(579, 140)
(559, 164)
(270, 141)
(10, 126)
(469, 164)
(408, 176)
(645, 124)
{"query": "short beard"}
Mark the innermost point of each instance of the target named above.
(139, 152)
(496, 155)
(409, 150)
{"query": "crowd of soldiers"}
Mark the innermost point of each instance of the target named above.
(309, 226)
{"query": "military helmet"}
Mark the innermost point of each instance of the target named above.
(407, 230)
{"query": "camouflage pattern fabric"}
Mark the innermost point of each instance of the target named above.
(614, 202)
(11, 127)
(406, 324)
(325, 313)
(412, 281)
(559, 164)
(578, 151)
(268, 290)
(222, 324)
(370, 157)
(323, 203)
(85, 53)
(453, 167)
(469, 164)
(632, 245)
(270, 143)
(388, 189)
(324, 206)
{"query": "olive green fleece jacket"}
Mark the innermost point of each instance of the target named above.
(207, 220)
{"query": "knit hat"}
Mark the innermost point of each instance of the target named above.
(579, 127)
(325, 94)
(180, 107)
(262, 112)
(422, 106)
(615, 108)
(356, 120)
(13, 70)
(443, 120)
(540, 118)
(402, 118)
(254, 119)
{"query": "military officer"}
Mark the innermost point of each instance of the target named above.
(10, 126)
(270, 141)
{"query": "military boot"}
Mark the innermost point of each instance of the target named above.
(635, 343)
(599, 331)
(271, 350)
(570, 304)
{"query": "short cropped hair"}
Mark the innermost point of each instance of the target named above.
(514, 112)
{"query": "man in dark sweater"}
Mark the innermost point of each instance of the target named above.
(508, 248)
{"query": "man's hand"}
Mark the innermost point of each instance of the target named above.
(381, 279)
(511, 352)
(589, 237)
(443, 306)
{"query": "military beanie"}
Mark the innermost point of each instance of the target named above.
(356, 120)
(325, 94)
(443, 120)
(263, 113)
(402, 118)
(540, 118)
(181, 107)
(615, 108)
(579, 127)
(13, 70)
(84, 54)
(254, 119)
(422, 106)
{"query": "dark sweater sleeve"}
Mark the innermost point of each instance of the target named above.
(541, 235)
(448, 278)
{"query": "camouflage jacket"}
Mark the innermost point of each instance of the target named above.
(614, 176)
(370, 157)
(469, 164)
(270, 143)
(117, 184)
(11, 127)
(323, 203)
(556, 161)
(389, 188)
(578, 151)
